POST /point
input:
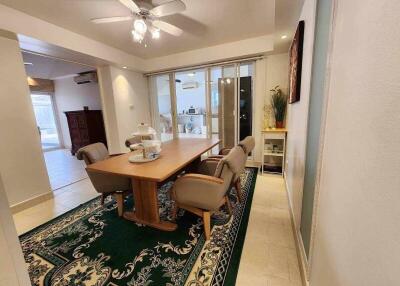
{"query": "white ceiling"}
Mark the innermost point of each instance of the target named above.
(205, 22)
(50, 68)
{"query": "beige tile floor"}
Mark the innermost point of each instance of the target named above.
(63, 168)
(64, 200)
(269, 254)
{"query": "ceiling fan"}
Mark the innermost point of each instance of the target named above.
(146, 17)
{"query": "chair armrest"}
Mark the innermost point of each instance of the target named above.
(211, 179)
(200, 191)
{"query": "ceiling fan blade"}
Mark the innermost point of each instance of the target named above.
(111, 19)
(169, 8)
(166, 27)
(130, 5)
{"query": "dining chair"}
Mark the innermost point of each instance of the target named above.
(137, 139)
(105, 184)
(203, 194)
(247, 145)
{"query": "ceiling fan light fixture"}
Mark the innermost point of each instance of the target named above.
(137, 37)
(155, 34)
(140, 26)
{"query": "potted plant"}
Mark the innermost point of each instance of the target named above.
(278, 103)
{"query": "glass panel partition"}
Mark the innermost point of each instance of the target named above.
(164, 116)
(190, 88)
(45, 120)
(211, 102)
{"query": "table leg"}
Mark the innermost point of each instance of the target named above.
(146, 206)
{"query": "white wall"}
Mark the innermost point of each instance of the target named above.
(22, 165)
(357, 236)
(297, 117)
(109, 111)
(70, 96)
(270, 72)
(277, 74)
(125, 96)
(247, 47)
(13, 270)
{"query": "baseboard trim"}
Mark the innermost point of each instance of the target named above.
(31, 202)
(300, 250)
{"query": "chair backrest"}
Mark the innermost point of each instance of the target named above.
(93, 153)
(247, 144)
(103, 183)
(230, 165)
(137, 139)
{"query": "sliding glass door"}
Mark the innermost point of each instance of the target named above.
(163, 119)
(211, 102)
(190, 90)
(215, 105)
(45, 119)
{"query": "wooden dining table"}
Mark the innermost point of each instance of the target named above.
(176, 155)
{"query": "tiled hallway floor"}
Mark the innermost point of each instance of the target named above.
(63, 168)
(269, 254)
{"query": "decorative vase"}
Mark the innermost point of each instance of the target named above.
(279, 124)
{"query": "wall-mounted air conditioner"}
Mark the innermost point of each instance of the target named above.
(190, 85)
(86, 77)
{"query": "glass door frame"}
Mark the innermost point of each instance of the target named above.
(236, 75)
(172, 91)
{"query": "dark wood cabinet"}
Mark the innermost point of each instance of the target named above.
(85, 127)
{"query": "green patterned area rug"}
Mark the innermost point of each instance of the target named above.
(91, 246)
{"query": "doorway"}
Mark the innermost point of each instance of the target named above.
(57, 90)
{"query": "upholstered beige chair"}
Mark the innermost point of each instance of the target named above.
(203, 194)
(247, 145)
(104, 184)
(136, 140)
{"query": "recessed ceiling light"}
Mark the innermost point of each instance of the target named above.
(124, 67)
(191, 74)
(284, 37)
(28, 64)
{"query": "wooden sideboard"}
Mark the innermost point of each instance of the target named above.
(85, 127)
